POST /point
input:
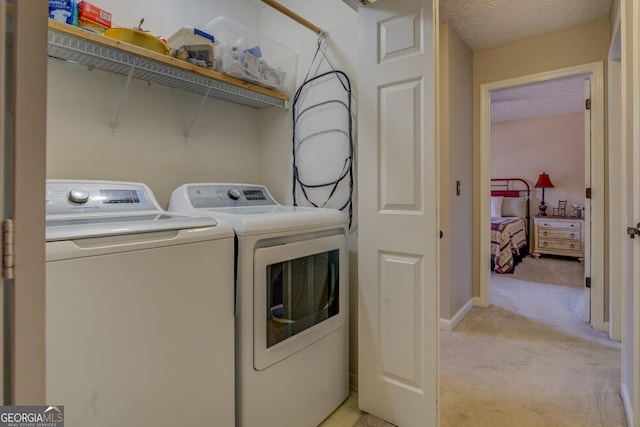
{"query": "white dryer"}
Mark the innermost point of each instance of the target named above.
(139, 309)
(292, 289)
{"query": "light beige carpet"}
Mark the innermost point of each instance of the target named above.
(528, 360)
(558, 271)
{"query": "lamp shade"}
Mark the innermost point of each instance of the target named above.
(543, 181)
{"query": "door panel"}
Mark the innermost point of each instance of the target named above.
(401, 278)
(400, 147)
(398, 240)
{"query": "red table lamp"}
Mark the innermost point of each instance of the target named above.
(543, 182)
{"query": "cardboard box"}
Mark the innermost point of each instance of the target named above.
(90, 13)
(91, 25)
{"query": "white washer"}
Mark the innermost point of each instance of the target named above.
(291, 322)
(139, 309)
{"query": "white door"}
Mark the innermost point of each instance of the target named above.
(398, 310)
(630, 90)
(587, 201)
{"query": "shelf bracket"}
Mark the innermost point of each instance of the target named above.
(187, 132)
(122, 98)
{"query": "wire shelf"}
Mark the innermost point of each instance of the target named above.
(82, 51)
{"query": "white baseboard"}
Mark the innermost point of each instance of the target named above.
(476, 301)
(628, 404)
(449, 325)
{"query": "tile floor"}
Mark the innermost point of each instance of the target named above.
(346, 415)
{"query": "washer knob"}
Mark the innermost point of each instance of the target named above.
(78, 195)
(234, 194)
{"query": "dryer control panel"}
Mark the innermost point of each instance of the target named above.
(71, 196)
(227, 195)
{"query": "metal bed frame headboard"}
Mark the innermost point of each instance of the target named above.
(514, 187)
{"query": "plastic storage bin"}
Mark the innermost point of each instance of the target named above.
(247, 55)
(196, 46)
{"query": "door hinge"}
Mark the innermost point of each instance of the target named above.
(588, 193)
(587, 282)
(587, 104)
(7, 249)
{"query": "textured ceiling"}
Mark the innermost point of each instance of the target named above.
(485, 24)
(539, 99)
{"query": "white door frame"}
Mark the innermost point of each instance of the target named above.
(4, 359)
(630, 130)
(29, 111)
(596, 72)
(588, 205)
(615, 175)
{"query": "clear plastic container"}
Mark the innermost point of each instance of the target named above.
(248, 55)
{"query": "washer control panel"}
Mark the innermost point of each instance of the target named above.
(97, 196)
(228, 195)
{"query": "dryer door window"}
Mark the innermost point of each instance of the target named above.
(299, 291)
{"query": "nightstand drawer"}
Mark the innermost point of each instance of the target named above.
(563, 245)
(572, 225)
(544, 233)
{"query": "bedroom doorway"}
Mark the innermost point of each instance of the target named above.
(594, 178)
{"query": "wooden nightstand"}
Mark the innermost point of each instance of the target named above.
(558, 235)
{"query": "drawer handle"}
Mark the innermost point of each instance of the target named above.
(573, 235)
(545, 244)
(545, 234)
(572, 246)
(572, 225)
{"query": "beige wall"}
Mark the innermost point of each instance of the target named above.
(456, 68)
(575, 46)
(614, 16)
(444, 153)
(340, 22)
(229, 142)
(553, 144)
(148, 145)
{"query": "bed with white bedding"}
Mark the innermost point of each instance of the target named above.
(510, 223)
